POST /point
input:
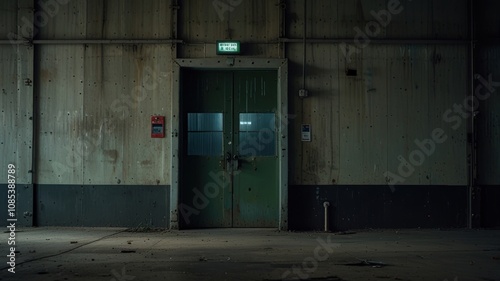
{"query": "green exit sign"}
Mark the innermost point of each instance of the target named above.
(228, 47)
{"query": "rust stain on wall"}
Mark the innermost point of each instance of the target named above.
(46, 75)
(111, 155)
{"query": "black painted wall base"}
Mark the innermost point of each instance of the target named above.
(351, 207)
(361, 207)
(96, 206)
(23, 205)
(490, 206)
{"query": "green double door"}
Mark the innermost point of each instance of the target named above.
(229, 158)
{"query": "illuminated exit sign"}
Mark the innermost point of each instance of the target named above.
(228, 47)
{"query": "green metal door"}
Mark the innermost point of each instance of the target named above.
(229, 163)
(255, 183)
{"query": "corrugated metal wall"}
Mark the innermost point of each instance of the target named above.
(8, 105)
(424, 19)
(257, 23)
(488, 119)
(399, 95)
(95, 101)
(15, 102)
(487, 64)
(8, 14)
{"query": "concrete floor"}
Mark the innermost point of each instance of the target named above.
(112, 254)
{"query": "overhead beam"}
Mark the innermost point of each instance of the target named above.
(377, 41)
(90, 41)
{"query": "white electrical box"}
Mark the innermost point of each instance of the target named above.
(306, 132)
(303, 93)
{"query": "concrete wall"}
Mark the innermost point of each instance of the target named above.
(93, 101)
(487, 64)
(369, 121)
(93, 105)
(17, 143)
(399, 95)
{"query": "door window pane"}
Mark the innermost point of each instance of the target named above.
(205, 134)
(257, 134)
(198, 122)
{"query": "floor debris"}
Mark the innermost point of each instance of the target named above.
(128, 251)
(375, 264)
(329, 278)
(345, 233)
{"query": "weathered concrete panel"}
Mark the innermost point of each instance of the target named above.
(408, 112)
(449, 162)
(376, 120)
(95, 101)
(8, 16)
(61, 139)
(113, 19)
(318, 160)
(95, 108)
(488, 118)
(363, 119)
(16, 96)
(255, 23)
(131, 19)
(368, 120)
(8, 104)
(61, 19)
(375, 19)
(121, 149)
(25, 100)
(321, 157)
(200, 21)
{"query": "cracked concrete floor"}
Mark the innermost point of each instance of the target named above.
(112, 254)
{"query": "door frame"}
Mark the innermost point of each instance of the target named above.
(229, 63)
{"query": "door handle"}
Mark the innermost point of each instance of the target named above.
(229, 163)
(236, 162)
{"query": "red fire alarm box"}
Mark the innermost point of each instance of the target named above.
(157, 126)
